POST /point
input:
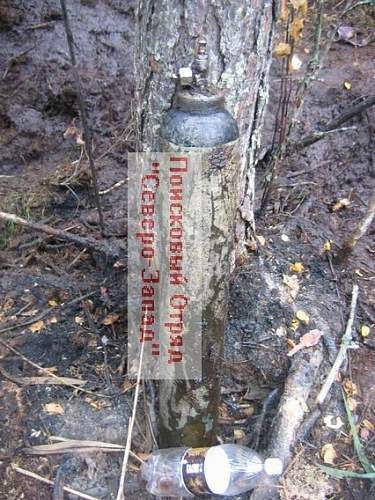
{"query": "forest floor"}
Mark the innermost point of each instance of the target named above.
(64, 308)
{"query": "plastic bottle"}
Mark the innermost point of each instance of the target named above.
(226, 469)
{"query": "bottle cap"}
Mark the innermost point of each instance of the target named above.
(273, 466)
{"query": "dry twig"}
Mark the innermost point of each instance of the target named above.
(65, 445)
(346, 339)
(120, 493)
(109, 251)
(361, 229)
(48, 481)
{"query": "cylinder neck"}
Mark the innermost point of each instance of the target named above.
(198, 102)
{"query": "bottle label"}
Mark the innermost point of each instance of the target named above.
(193, 471)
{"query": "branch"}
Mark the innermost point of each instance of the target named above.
(317, 135)
(48, 481)
(346, 339)
(109, 251)
(360, 231)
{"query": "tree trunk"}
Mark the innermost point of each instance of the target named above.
(239, 38)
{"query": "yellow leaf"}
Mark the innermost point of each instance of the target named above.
(365, 331)
(327, 247)
(369, 425)
(79, 320)
(284, 11)
(343, 203)
(328, 454)
(282, 49)
(53, 320)
(261, 240)
(297, 267)
(350, 388)
(347, 85)
(238, 434)
(52, 303)
(303, 316)
(37, 326)
(110, 319)
(53, 408)
(352, 403)
(296, 28)
(294, 324)
(300, 5)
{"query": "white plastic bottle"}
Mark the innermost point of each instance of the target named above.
(226, 469)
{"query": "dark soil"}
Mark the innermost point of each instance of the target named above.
(43, 177)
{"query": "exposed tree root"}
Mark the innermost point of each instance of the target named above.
(292, 409)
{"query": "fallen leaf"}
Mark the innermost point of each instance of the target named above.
(300, 5)
(339, 205)
(284, 237)
(347, 85)
(261, 240)
(303, 316)
(37, 326)
(281, 331)
(52, 303)
(365, 331)
(53, 320)
(350, 388)
(292, 283)
(327, 247)
(238, 434)
(359, 273)
(53, 408)
(328, 454)
(296, 28)
(119, 263)
(282, 49)
(248, 411)
(310, 339)
(369, 425)
(295, 63)
(296, 267)
(110, 319)
(97, 405)
(79, 320)
(352, 403)
(127, 385)
(294, 324)
(284, 11)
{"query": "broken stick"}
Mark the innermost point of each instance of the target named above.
(346, 339)
(361, 229)
(110, 251)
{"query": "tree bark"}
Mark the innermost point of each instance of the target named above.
(239, 39)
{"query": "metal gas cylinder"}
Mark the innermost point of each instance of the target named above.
(198, 123)
(199, 120)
